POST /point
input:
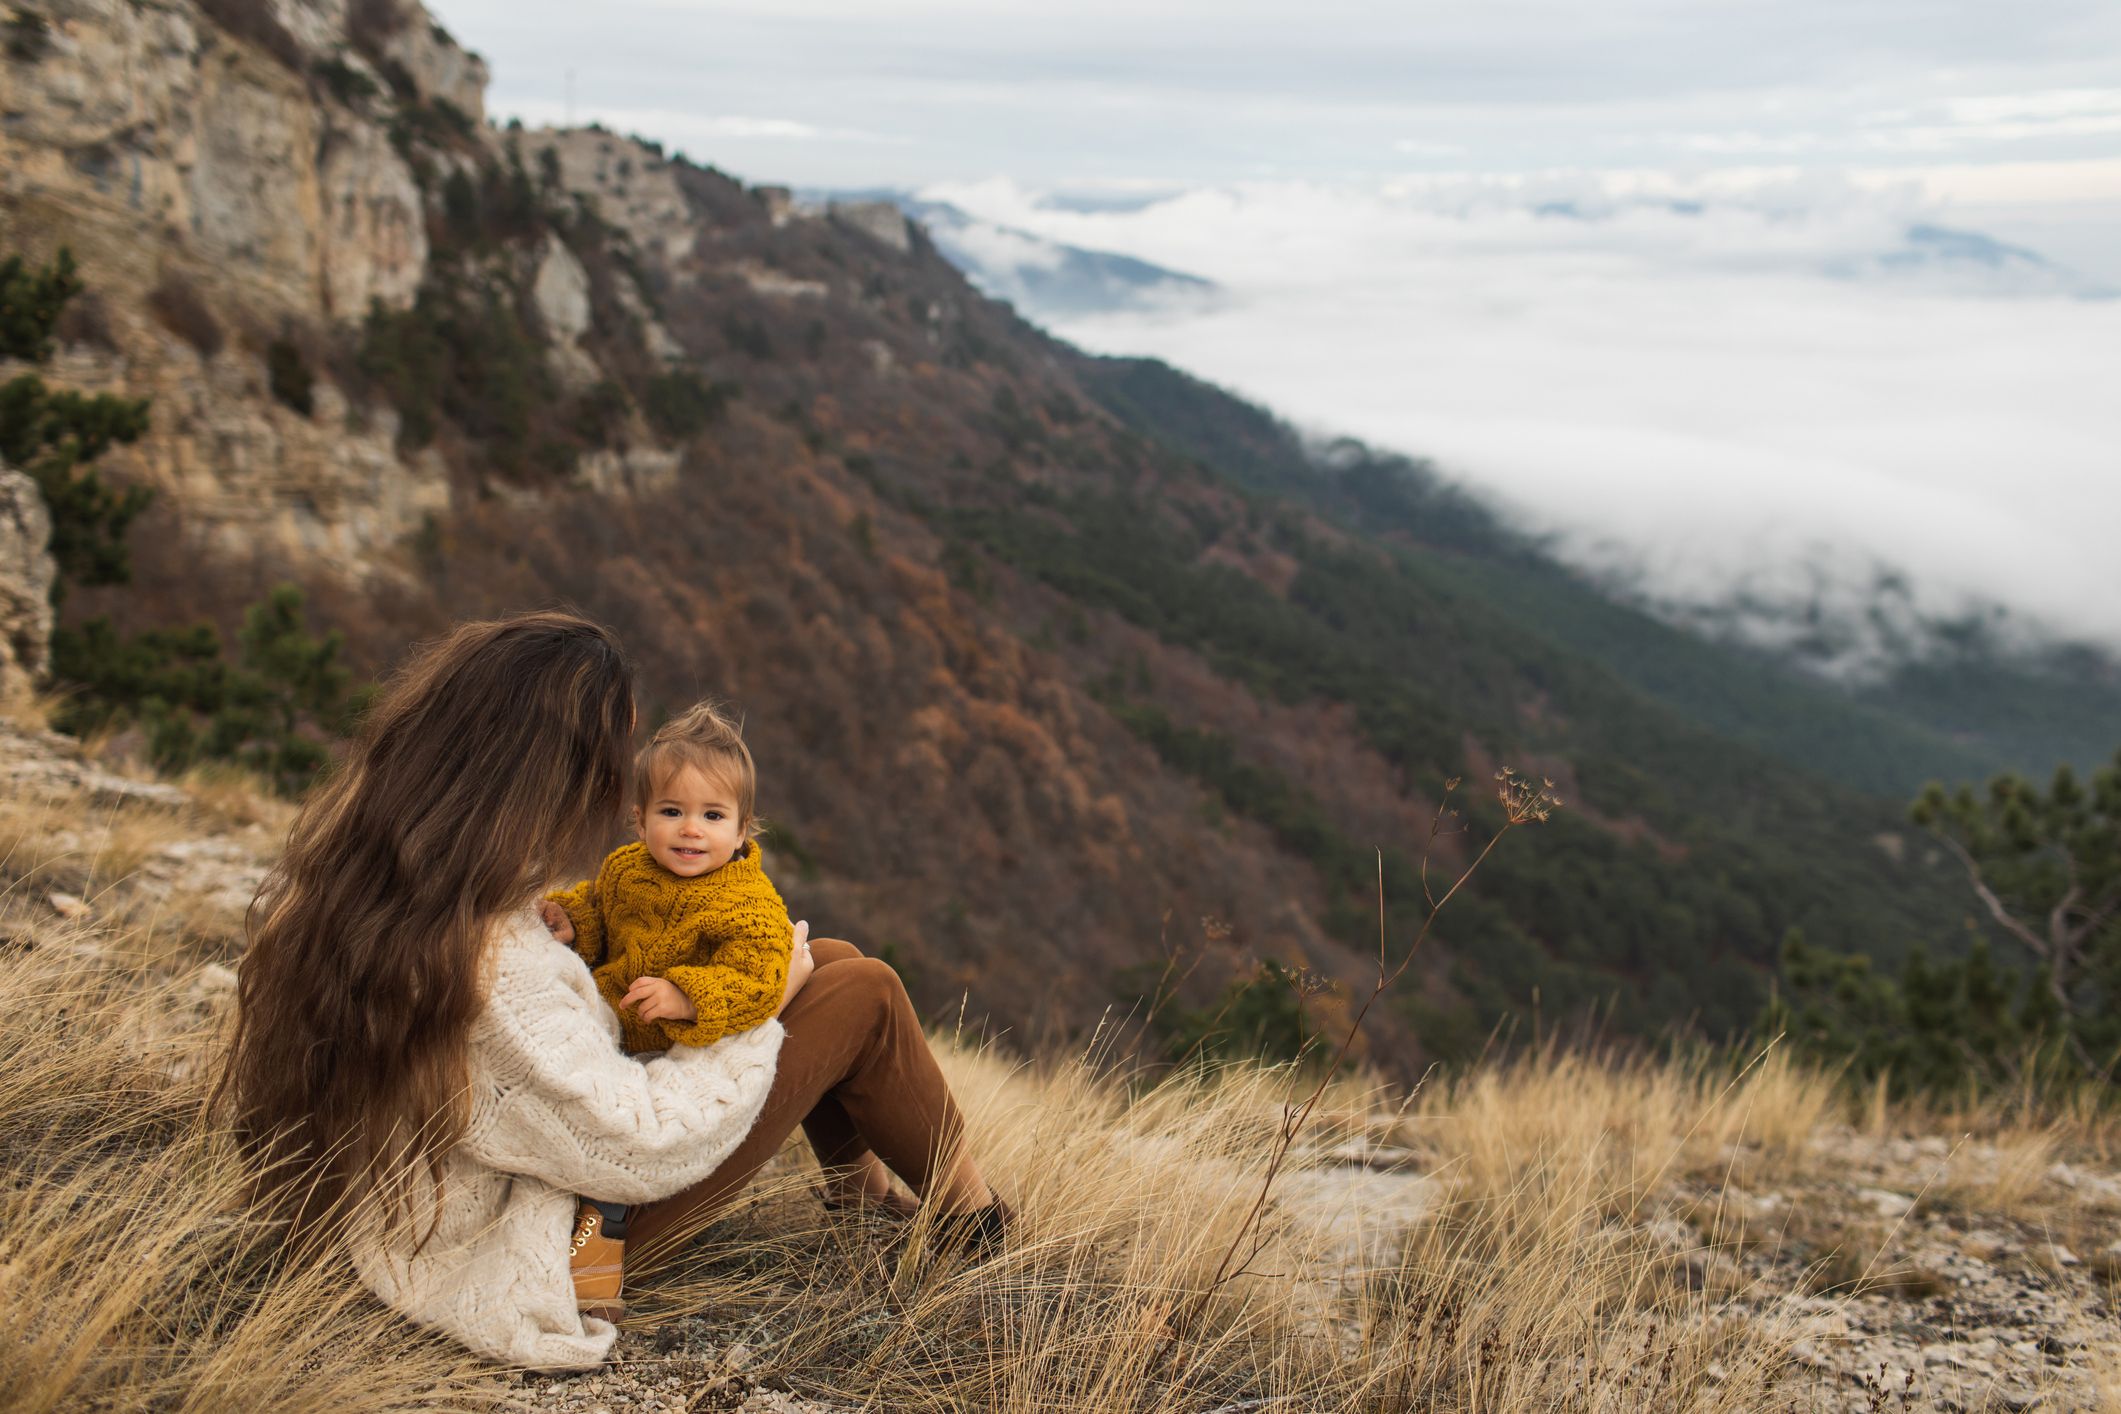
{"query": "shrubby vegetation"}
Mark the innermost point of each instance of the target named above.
(1943, 1026)
(287, 374)
(469, 355)
(681, 405)
(273, 710)
(465, 354)
(28, 36)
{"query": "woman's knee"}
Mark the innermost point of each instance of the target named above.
(871, 977)
(832, 950)
(856, 993)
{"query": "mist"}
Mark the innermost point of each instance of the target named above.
(1729, 392)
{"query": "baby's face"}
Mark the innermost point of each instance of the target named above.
(691, 827)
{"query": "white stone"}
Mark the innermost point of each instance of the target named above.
(561, 291)
(776, 284)
(1885, 1203)
(214, 979)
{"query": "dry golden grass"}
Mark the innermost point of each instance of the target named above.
(1642, 1121)
(1519, 1268)
(2007, 1177)
(133, 1276)
(138, 1279)
(23, 707)
(70, 842)
(230, 795)
(1516, 1290)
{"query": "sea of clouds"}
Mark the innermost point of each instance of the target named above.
(1750, 399)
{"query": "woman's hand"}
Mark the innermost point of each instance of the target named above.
(799, 966)
(557, 920)
(654, 999)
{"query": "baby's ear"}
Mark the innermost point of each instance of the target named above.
(633, 817)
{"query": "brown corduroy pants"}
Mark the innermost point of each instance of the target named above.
(855, 1071)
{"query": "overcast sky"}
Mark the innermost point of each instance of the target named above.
(1105, 91)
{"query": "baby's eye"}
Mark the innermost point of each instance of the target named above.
(714, 814)
(670, 811)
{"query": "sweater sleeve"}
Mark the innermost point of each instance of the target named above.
(585, 910)
(740, 984)
(554, 1098)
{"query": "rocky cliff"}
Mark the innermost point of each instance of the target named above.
(223, 194)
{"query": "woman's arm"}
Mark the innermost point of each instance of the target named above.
(554, 1098)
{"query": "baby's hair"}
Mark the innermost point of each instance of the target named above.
(709, 740)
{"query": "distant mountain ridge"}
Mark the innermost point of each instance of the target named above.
(1045, 279)
(1973, 259)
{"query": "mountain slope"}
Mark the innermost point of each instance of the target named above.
(1047, 672)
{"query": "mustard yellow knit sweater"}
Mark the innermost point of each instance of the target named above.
(722, 938)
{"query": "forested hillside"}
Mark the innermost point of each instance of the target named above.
(1052, 664)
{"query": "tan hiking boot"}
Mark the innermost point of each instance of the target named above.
(598, 1264)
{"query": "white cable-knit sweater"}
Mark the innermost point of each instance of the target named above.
(558, 1112)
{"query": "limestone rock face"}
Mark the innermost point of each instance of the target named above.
(26, 574)
(440, 68)
(173, 155)
(164, 151)
(375, 232)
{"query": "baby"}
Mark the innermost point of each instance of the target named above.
(687, 938)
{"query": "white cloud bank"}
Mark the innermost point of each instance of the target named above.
(1729, 395)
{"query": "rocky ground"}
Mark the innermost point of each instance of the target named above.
(1906, 1298)
(1935, 1274)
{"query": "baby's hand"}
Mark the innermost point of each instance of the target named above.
(557, 920)
(653, 999)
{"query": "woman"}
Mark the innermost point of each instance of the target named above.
(418, 1061)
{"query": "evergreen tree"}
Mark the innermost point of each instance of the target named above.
(2046, 867)
(54, 435)
(1942, 1027)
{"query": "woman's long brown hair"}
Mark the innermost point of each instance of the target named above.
(494, 759)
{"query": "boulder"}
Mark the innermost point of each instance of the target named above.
(26, 574)
(562, 292)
